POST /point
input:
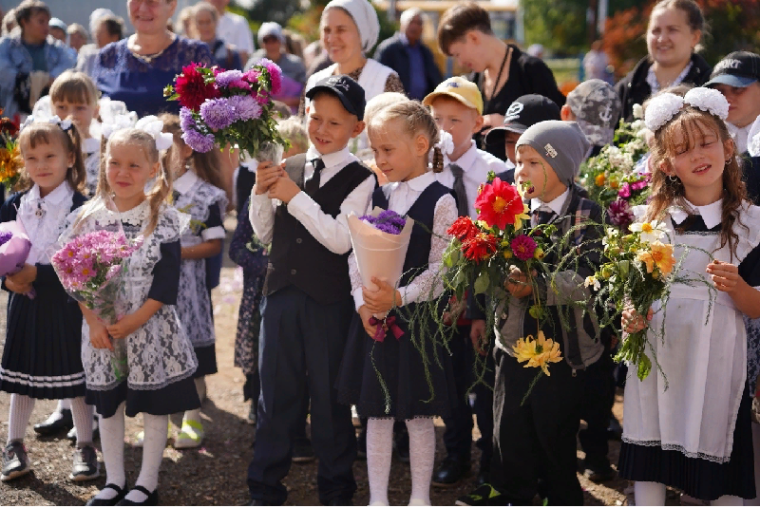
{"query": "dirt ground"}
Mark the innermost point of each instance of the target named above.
(215, 474)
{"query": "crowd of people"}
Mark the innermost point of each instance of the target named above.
(385, 131)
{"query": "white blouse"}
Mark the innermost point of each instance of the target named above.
(43, 219)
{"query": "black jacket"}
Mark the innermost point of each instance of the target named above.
(634, 89)
(392, 52)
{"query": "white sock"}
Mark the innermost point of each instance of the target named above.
(153, 453)
(195, 414)
(21, 410)
(112, 440)
(82, 413)
(421, 458)
(63, 404)
(649, 493)
(379, 453)
(727, 501)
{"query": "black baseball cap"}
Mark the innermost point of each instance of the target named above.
(349, 92)
(738, 69)
(523, 113)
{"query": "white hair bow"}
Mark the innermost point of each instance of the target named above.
(445, 143)
(117, 122)
(153, 126)
(664, 107)
(63, 124)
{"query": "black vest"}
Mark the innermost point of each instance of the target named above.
(296, 257)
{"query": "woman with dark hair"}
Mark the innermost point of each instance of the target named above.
(204, 20)
(136, 70)
(30, 60)
(673, 34)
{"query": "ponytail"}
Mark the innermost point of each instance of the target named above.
(437, 159)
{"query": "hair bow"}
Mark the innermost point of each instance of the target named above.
(65, 125)
(153, 126)
(117, 122)
(664, 107)
(445, 143)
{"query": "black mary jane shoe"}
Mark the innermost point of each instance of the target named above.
(120, 493)
(152, 499)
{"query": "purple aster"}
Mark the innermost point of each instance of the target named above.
(620, 212)
(386, 221)
(217, 113)
(202, 143)
(186, 120)
(4, 237)
(226, 78)
(245, 107)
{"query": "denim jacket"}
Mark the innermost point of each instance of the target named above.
(16, 60)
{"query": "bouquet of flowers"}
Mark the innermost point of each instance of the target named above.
(10, 155)
(221, 107)
(613, 178)
(501, 240)
(380, 241)
(639, 272)
(91, 268)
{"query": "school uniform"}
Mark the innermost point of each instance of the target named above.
(91, 153)
(206, 205)
(243, 181)
(696, 435)
(538, 439)
(160, 357)
(306, 313)
(42, 354)
(475, 164)
(398, 364)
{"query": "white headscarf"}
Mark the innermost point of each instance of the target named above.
(364, 16)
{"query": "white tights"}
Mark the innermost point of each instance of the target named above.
(421, 456)
(653, 494)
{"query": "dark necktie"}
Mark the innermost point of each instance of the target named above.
(463, 208)
(312, 185)
(541, 215)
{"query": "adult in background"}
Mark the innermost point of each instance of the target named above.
(204, 25)
(136, 70)
(502, 72)
(106, 28)
(29, 60)
(674, 31)
(349, 29)
(409, 57)
(233, 29)
(272, 46)
(57, 29)
(596, 61)
(77, 36)
(9, 22)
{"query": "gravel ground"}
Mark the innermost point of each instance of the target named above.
(215, 474)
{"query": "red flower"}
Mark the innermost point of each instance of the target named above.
(523, 247)
(192, 89)
(499, 204)
(463, 229)
(481, 247)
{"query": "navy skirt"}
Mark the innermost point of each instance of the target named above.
(206, 361)
(176, 397)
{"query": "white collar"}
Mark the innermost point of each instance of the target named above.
(56, 197)
(466, 160)
(90, 145)
(185, 182)
(331, 159)
(251, 165)
(417, 184)
(740, 135)
(654, 85)
(555, 204)
(712, 214)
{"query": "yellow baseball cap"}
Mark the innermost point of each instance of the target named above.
(460, 89)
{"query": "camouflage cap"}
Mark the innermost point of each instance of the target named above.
(596, 107)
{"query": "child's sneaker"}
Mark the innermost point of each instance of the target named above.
(86, 465)
(485, 495)
(15, 461)
(190, 436)
(140, 436)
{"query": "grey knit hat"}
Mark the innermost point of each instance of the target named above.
(562, 144)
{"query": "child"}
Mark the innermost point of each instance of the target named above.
(159, 383)
(41, 359)
(307, 307)
(401, 136)
(537, 440)
(73, 95)
(595, 106)
(457, 106)
(696, 436)
(197, 192)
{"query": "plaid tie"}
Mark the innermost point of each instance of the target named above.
(312, 185)
(463, 208)
(542, 215)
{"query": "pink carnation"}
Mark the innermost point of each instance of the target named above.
(523, 247)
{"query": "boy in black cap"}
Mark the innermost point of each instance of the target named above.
(301, 207)
(537, 440)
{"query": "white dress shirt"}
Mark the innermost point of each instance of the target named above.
(43, 218)
(233, 29)
(330, 232)
(555, 205)
(740, 135)
(401, 196)
(476, 165)
(711, 214)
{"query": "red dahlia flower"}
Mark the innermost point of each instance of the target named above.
(192, 89)
(499, 204)
(523, 247)
(463, 229)
(481, 247)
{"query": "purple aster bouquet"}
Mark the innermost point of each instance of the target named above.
(221, 107)
(14, 249)
(386, 221)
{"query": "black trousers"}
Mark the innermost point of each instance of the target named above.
(458, 434)
(300, 336)
(596, 410)
(538, 439)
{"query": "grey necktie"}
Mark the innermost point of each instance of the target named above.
(463, 208)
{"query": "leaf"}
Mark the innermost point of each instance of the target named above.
(482, 283)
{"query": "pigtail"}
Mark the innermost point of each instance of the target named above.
(103, 189)
(157, 197)
(77, 174)
(437, 159)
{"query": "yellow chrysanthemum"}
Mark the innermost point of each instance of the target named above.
(537, 352)
(658, 256)
(523, 216)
